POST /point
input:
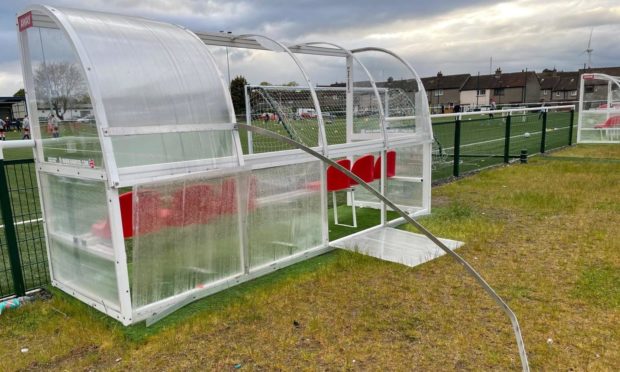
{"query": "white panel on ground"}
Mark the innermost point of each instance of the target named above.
(390, 244)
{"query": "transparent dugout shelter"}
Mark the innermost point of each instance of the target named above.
(156, 200)
(599, 109)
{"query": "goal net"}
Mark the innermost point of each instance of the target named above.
(290, 111)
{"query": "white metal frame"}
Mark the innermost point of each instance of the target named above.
(607, 135)
(114, 177)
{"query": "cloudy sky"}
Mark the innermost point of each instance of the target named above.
(449, 35)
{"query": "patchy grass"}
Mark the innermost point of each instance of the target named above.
(544, 235)
(599, 285)
(596, 151)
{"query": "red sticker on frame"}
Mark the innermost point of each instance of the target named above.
(24, 21)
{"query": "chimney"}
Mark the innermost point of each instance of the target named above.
(498, 73)
(439, 74)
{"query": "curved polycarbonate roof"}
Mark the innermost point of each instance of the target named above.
(158, 94)
(145, 72)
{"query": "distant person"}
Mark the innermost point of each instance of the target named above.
(55, 126)
(443, 109)
(26, 128)
(542, 111)
(457, 108)
(3, 125)
(49, 123)
(493, 108)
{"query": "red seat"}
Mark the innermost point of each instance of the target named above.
(612, 122)
(364, 168)
(194, 204)
(151, 217)
(391, 165)
(336, 180)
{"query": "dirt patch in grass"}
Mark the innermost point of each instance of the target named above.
(544, 235)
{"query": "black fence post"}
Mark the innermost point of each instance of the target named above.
(570, 128)
(543, 137)
(507, 139)
(457, 146)
(9, 232)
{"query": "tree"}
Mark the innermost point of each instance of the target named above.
(20, 93)
(291, 84)
(60, 84)
(265, 83)
(237, 94)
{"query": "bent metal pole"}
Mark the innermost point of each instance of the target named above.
(422, 229)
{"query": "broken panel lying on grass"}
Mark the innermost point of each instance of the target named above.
(599, 109)
(159, 200)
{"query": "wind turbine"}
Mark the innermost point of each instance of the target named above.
(589, 49)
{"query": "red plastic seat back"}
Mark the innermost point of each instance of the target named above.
(194, 204)
(149, 213)
(336, 180)
(364, 168)
(149, 218)
(126, 203)
(391, 165)
(228, 196)
(613, 121)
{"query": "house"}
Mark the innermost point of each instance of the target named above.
(596, 90)
(12, 107)
(509, 88)
(444, 89)
(558, 86)
(567, 88)
(548, 79)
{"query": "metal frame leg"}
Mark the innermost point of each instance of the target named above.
(335, 206)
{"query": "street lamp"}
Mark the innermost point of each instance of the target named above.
(227, 60)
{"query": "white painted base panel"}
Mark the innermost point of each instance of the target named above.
(390, 244)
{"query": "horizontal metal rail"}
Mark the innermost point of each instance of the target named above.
(502, 304)
(471, 113)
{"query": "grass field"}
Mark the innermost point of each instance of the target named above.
(548, 245)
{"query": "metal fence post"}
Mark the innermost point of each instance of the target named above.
(570, 127)
(543, 137)
(507, 139)
(457, 146)
(9, 232)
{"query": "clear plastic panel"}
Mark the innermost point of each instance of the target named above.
(174, 147)
(187, 234)
(282, 103)
(366, 106)
(167, 78)
(284, 215)
(405, 187)
(363, 197)
(82, 259)
(405, 96)
(62, 96)
(600, 118)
